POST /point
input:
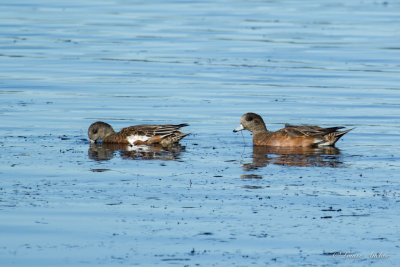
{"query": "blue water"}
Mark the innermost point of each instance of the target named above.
(215, 200)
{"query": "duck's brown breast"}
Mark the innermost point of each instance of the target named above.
(116, 138)
(276, 139)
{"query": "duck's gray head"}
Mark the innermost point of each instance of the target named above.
(251, 122)
(99, 130)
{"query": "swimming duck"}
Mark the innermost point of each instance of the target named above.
(164, 135)
(291, 135)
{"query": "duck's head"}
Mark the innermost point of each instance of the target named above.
(99, 130)
(251, 122)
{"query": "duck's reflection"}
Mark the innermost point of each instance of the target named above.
(294, 156)
(104, 151)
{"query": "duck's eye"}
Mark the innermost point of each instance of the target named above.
(249, 118)
(94, 131)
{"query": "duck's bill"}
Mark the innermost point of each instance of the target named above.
(239, 128)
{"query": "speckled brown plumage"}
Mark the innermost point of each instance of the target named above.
(164, 135)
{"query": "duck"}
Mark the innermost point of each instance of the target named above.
(138, 135)
(291, 135)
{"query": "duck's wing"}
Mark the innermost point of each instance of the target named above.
(168, 129)
(306, 130)
(151, 130)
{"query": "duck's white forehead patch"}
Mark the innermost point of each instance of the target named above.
(133, 138)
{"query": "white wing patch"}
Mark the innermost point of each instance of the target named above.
(133, 138)
(321, 142)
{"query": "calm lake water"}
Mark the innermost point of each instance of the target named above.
(214, 201)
